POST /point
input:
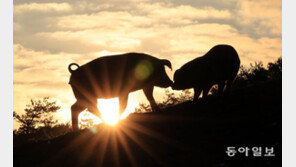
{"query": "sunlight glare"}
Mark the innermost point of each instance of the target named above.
(109, 109)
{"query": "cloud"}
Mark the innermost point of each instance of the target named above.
(142, 15)
(41, 7)
(42, 31)
(101, 20)
(183, 13)
(265, 16)
(16, 27)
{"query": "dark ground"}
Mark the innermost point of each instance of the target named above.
(187, 134)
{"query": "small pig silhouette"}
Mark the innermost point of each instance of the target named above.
(218, 66)
(116, 76)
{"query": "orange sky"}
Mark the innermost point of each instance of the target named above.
(51, 34)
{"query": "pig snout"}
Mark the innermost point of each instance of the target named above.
(164, 81)
(179, 80)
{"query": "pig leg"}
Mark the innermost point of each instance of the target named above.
(205, 92)
(93, 108)
(197, 92)
(228, 86)
(76, 108)
(122, 103)
(221, 88)
(149, 94)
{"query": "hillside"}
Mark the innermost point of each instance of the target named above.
(187, 134)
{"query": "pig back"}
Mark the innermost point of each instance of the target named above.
(110, 76)
(223, 62)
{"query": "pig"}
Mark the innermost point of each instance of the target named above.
(219, 66)
(116, 76)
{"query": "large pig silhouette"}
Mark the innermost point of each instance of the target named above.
(116, 76)
(218, 66)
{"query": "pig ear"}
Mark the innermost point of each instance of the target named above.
(166, 63)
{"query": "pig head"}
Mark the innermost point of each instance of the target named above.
(218, 66)
(116, 76)
(190, 75)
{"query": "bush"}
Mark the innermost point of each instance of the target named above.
(38, 122)
(37, 113)
(257, 73)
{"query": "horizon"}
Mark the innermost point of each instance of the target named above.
(49, 35)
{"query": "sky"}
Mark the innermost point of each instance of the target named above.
(48, 35)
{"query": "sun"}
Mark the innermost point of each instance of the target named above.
(109, 109)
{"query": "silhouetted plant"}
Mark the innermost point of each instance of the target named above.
(87, 121)
(37, 113)
(172, 99)
(257, 73)
(143, 108)
(275, 69)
